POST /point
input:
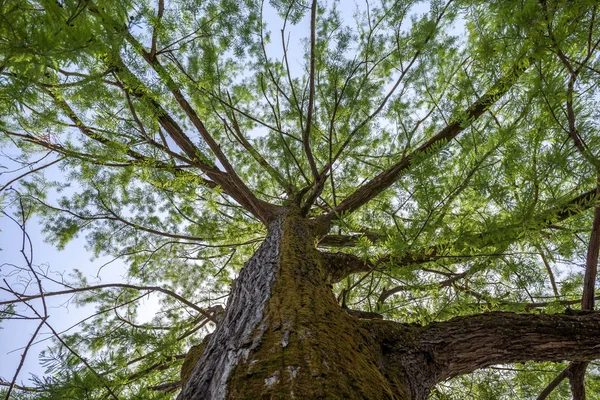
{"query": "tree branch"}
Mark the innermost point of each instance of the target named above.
(591, 263)
(385, 179)
(554, 384)
(237, 133)
(228, 181)
(577, 370)
(311, 94)
(390, 93)
(168, 387)
(577, 379)
(549, 217)
(168, 292)
(31, 171)
(27, 254)
(442, 350)
(19, 387)
(339, 265)
(231, 182)
(347, 240)
(159, 15)
(465, 344)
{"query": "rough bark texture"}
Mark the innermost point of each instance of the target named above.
(337, 266)
(577, 380)
(284, 335)
(234, 337)
(439, 351)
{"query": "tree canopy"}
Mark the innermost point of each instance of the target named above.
(449, 150)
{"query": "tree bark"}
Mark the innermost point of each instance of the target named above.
(442, 350)
(284, 335)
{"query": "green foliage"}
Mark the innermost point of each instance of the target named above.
(463, 230)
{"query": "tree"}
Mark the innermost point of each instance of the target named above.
(388, 195)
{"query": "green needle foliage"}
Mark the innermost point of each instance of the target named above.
(158, 130)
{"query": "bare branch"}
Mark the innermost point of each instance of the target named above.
(168, 387)
(41, 167)
(24, 298)
(19, 387)
(311, 95)
(159, 15)
(26, 241)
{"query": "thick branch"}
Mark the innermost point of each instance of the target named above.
(339, 265)
(577, 370)
(508, 232)
(386, 178)
(591, 262)
(464, 344)
(577, 379)
(347, 240)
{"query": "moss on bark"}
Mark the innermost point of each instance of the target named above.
(309, 347)
(191, 359)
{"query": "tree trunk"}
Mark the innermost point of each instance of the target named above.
(284, 335)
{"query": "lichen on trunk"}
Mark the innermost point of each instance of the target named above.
(284, 335)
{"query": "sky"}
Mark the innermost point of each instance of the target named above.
(15, 334)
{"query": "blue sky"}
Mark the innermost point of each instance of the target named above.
(15, 334)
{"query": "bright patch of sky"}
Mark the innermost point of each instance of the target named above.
(57, 264)
(15, 334)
